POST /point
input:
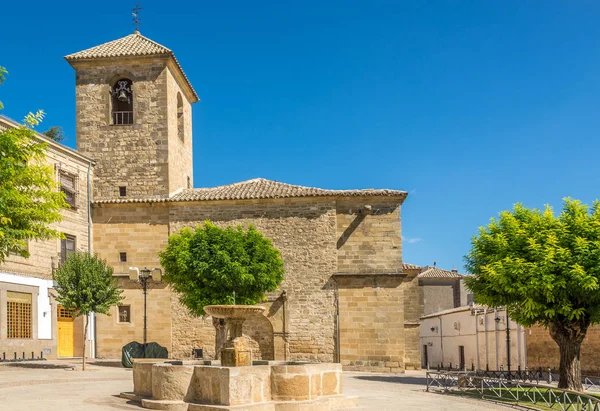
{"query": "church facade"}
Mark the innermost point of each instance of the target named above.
(347, 295)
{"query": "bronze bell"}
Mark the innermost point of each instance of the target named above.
(122, 96)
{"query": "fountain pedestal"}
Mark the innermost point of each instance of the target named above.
(236, 352)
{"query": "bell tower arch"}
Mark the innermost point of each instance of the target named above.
(133, 104)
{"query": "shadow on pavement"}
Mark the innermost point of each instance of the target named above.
(39, 365)
(113, 364)
(397, 379)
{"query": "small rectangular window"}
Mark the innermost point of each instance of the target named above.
(68, 185)
(123, 257)
(67, 246)
(124, 314)
(122, 191)
(18, 315)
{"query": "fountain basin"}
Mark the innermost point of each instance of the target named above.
(234, 311)
(277, 386)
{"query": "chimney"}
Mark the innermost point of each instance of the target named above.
(434, 264)
(454, 270)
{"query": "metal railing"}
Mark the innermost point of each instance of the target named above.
(537, 376)
(122, 117)
(514, 391)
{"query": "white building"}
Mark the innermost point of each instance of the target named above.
(471, 336)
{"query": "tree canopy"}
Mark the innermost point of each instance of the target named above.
(85, 284)
(29, 196)
(545, 269)
(207, 265)
(55, 133)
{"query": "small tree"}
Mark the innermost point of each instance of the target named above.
(212, 265)
(85, 285)
(545, 269)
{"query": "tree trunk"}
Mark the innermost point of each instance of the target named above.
(220, 335)
(84, 341)
(569, 338)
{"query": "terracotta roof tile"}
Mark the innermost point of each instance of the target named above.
(433, 272)
(406, 266)
(259, 188)
(133, 45)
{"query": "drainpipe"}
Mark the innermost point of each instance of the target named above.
(338, 355)
(92, 317)
(519, 345)
(441, 341)
(477, 339)
(524, 330)
(487, 351)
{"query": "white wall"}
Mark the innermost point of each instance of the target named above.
(483, 339)
(44, 314)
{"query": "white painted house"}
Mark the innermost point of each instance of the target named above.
(470, 336)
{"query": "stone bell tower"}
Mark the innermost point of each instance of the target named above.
(134, 118)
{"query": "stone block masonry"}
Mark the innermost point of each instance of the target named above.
(147, 157)
(315, 236)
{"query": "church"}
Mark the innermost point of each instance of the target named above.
(347, 295)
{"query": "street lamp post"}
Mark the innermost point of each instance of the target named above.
(143, 277)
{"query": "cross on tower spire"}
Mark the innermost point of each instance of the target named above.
(136, 17)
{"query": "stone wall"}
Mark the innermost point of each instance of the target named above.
(369, 242)
(141, 231)
(543, 352)
(413, 310)
(300, 322)
(113, 334)
(180, 150)
(304, 231)
(371, 322)
(440, 294)
(136, 155)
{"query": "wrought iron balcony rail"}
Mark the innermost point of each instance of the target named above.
(122, 117)
(514, 391)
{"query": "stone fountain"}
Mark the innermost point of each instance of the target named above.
(238, 384)
(236, 352)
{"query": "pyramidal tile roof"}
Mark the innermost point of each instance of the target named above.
(133, 45)
(260, 188)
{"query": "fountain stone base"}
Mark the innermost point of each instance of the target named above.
(277, 386)
(237, 384)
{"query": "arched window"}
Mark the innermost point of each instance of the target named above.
(180, 127)
(122, 102)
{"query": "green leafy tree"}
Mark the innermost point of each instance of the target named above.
(545, 270)
(85, 285)
(212, 265)
(55, 133)
(29, 196)
(207, 265)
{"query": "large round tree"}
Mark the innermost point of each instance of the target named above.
(546, 270)
(212, 265)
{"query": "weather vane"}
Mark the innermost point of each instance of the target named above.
(136, 17)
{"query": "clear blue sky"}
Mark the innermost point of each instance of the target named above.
(469, 106)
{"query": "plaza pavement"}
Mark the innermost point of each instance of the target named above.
(55, 386)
